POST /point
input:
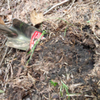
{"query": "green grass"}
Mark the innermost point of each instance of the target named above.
(62, 88)
(53, 83)
(21, 25)
(32, 50)
(1, 91)
(67, 26)
(88, 21)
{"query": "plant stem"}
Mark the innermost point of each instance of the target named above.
(35, 47)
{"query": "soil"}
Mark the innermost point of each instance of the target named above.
(69, 54)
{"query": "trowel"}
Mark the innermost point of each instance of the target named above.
(19, 34)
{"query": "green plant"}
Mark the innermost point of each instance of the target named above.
(67, 26)
(64, 21)
(1, 91)
(53, 83)
(32, 50)
(65, 31)
(62, 88)
(88, 21)
(21, 25)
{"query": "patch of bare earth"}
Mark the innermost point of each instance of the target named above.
(70, 53)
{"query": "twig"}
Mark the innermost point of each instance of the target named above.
(45, 97)
(8, 23)
(55, 6)
(71, 95)
(73, 1)
(97, 52)
(95, 42)
(6, 76)
(8, 4)
(10, 51)
(4, 41)
(96, 36)
(4, 56)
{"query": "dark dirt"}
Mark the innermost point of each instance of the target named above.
(69, 58)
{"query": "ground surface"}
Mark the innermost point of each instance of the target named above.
(69, 55)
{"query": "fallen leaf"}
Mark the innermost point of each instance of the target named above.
(36, 18)
(1, 21)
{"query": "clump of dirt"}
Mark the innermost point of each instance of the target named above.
(76, 55)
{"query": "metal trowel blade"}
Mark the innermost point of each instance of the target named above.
(24, 31)
(18, 43)
(21, 42)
